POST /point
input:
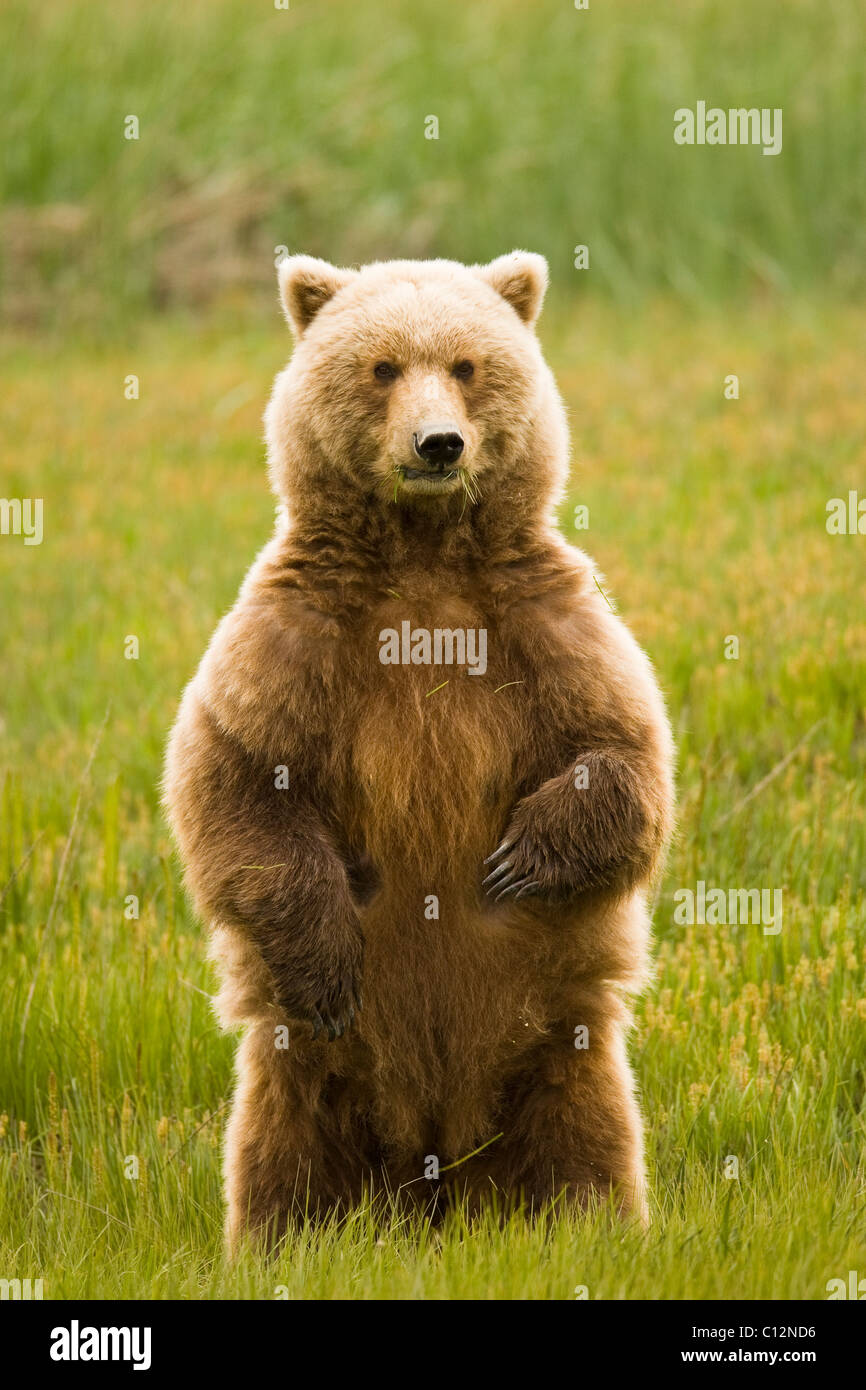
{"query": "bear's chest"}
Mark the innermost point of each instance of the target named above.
(436, 738)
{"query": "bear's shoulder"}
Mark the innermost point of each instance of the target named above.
(266, 674)
(561, 619)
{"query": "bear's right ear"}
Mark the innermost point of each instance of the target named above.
(306, 284)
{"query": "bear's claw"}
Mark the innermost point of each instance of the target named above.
(322, 1019)
(519, 887)
(527, 890)
(502, 881)
(518, 876)
(497, 853)
(497, 873)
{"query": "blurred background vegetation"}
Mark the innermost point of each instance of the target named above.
(305, 127)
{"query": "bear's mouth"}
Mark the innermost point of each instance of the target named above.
(429, 481)
(435, 474)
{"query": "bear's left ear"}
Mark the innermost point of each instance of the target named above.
(306, 284)
(521, 279)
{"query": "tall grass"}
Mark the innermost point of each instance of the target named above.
(261, 127)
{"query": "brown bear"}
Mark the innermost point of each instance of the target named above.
(423, 775)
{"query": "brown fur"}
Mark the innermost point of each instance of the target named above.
(317, 893)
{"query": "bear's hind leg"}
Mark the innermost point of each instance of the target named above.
(571, 1124)
(293, 1149)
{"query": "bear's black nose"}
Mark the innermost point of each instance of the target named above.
(439, 448)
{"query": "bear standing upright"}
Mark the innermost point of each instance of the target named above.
(425, 871)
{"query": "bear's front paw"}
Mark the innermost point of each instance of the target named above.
(517, 871)
(527, 864)
(327, 992)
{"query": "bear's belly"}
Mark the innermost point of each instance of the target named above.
(450, 996)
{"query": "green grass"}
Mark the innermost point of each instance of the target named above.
(706, 519)
(305, 127)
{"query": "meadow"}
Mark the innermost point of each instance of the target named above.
(707, 520)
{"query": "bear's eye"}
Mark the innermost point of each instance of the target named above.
(464, 370)
(385, 371)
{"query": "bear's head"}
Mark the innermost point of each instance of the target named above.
(416, 385)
